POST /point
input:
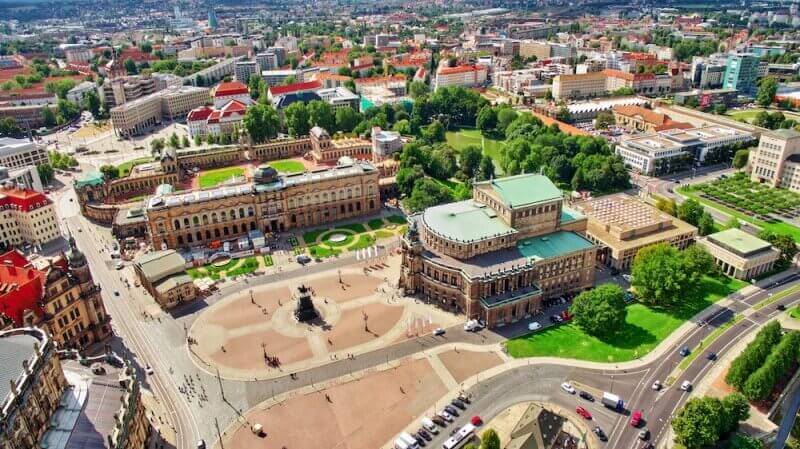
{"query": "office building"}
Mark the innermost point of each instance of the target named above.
(741, 73)
(621, 225)
(740, 255)
(26, 217)
(497, 256)
(21, 153)
(243, 69)
(776, 160)
(140, 115)
(339, 97)
(461, 76)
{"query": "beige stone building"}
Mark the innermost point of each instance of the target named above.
(540, 49)
(739, 254)
(137, 116)
(26, 216)
(621, 225)
(31, 385)
(163, 275)
(497, 256)
(585, 85)
(776, 161)
(273, 202)
(327, 150)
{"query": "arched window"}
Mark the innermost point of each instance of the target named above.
(235, 229)
(186, 222)
(196, 221)
(177, 224)
(180, 240)
(205, 219)
(241, 212)
(208, 234)
(213, 217)
(199, 236)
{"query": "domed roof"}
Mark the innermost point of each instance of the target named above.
(264, 174)
(75, 257)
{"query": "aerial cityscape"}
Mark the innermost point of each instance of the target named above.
(353, 224)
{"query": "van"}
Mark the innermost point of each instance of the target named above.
(406, 441)
(429, 425)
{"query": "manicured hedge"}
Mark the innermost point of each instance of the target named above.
(753, 357)
(761, 383)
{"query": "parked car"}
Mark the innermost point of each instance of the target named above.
(464, 398)
(458, 404)
(686, 386)
(476, 421)
(418, 439)
(781, 307)
(303, 259)
(438, 331)
(636, 418)
(424, 434)
(451, 410)
(600, 434)
(583, 412)
(644, 434)
(657, 385)
(439, 420)
(568, 388)
(201, 444)
(534, 325)
(586, 395)
(684, 351)
(148, 369)
(446, 416)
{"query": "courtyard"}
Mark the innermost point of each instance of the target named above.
(328, 242)
(254, 334)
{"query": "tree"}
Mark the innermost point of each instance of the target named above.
(60, 87)
(9, 127)
(403, 127)
(434, 132)
(661, 275)
(740, 158)
(490, 440)
(470, 160)
(45, 172)
(417, 89)
(690, 211)
(146, 47)
(486, 169)
(667, 205)
(407, 177)
(783, 242)
(563, 115)
(185, 142)
(741, 441)
(156, 145)
(91, 102)
(600, 311)
(197, 140)
(297, 119)
(174, 141)
(504, 118)
(486, 120)
(754, 355)
(291, 79)
(256, 85)
(261, 122)
(767, 89)
(737, 409)
(320, 113)
(427, 193)
(48, 117)
(346, 119)
(733, 223)
(698, 423)
(130, 67)
(604, 120)
(705, 225)
(110, 171)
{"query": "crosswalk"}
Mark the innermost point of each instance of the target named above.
(370, 252)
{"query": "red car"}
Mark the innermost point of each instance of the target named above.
(636, 418)
(476, 421)
(583, 412)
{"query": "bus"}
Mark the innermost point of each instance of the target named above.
(460, 438)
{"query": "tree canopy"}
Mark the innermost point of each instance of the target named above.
(664, 276)
(261, 122)
(600, 311)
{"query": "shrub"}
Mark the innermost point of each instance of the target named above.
(753, 356)
(759, 385)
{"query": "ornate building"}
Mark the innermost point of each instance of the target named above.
(497, 256)
(60, 297)
(273, 202)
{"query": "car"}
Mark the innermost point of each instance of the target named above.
(303, 259)
(657, 385)
(686, 386)
(636, 418)
(600, 434)
(439, 421)
(451, 410)
(116, 292)
(781, 307)
(98, 369)
(644, 434)
(534, 325)
(438, 331)
(568, 388)
(201, 444)
(472, 326)
(583, 412)
(476, 421)
(711, 356)
(119, 265)
(148, 369)
(458, 404)
(424, 434)
(464, 398)
(648, 445)
(418, 439)
(586, 395)
(446, 416)
(685, 351)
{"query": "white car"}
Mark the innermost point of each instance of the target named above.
(657, 385)
(686, 386)
(471, 326)
(568, 388)
(438, 331)
(534, 325)
(446, 416)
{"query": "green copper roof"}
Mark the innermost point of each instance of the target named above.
(522, 190)
(569, 215)
(552, 245)
(465, 221)
(93, 178)
(739, 241)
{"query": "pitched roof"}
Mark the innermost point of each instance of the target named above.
(379, 79)
(230, 88)
(25, 200)
(296, 87)
(460, 69)
(525, 189)
(21, 287)
(200, 113)
(160, 264)
(647, 115)
(628, 76)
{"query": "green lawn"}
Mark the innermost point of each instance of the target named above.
(212, 178)
(397, 219)
(364, 241)
(288, 166)
(750, 114)
(268, 262)
(375, 224)
(321, 252)
(645, 327)
(779, 227)
(465, 137)
(126, 167)
(795, 313)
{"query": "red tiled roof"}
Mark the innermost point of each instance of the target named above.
(565, 128)
(21, 287)
(232, 107)
(460, 69)
(628, 76)
(379, 79)
(296, 87)
(230, 88)
(200, 113)
(25, 200)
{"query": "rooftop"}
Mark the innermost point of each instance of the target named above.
(14, 349)
(160, 264)
(465, 221)
(740, 242)
(552, 245)
(526, 189)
